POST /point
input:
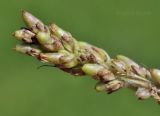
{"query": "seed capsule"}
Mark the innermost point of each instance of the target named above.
(143, 93)
(155, 73)
(92, 69)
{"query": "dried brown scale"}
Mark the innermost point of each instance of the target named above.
(54, 45)
(105, 75)
(73, 71)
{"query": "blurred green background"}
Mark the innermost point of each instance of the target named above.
(124, 27)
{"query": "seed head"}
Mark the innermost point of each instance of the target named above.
(58, 47)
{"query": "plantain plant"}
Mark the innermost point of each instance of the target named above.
(59, 48)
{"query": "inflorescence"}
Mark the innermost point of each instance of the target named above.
(54, 45)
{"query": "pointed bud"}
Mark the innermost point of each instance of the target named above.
(100, 87)
(127, 60)
(57, 31)
(25, 35)
(92, 69)
(105, 75)
(22, 49)
(132, 75)
(100, 54)
(49, 43)
(110, 87)
(119, 66)
(51, 57)
(141, 71)
(68, 43)
(155, 73)
(113, 86)
(55, 47)
(68, 60)
(44, 38)
(135, 83)
(83, 45)
(30, 20)
(27, 50)
(71, 64)
(60, 58)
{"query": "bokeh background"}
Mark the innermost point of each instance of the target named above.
(129, 27)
